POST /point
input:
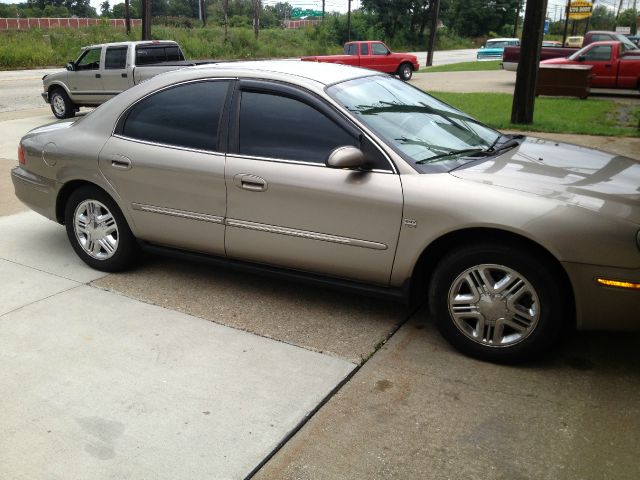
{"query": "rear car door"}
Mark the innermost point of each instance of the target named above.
(166, 162)
(115, 78)
(286, 208)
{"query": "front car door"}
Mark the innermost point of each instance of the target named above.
(115, 78)
(286, 208)
(166, 162)
(85, 82)
(604, 70)
(381, 58)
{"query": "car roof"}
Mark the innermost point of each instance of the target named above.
(323, 73)
(503, 39)
(140, 42)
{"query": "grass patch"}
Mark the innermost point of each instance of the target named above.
(464, 67)
(555, 115)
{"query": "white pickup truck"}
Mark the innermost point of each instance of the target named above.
(103, 71)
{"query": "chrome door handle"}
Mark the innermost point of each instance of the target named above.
(253, 183)
(120, 162)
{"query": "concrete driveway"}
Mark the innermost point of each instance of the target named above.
(177, 370)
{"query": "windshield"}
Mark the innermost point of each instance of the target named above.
(500, 44)
(426, 132)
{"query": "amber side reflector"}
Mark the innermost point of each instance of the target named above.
(21, 159)
(618, 283)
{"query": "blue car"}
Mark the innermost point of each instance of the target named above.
(493, 49)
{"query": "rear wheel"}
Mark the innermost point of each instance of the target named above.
(405, 71)
(61, 104)
(98, 231)
(497, 303)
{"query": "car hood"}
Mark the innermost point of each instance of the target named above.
(556, 61)
(603, 182)
(491, 51)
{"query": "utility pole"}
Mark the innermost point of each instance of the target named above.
(566, 24)
(127, 17)
(225, 6)
(349, 21)
(257, 6)
(515, 26)
(532, 33)
(202, 13)
(146, 19)
(435, 11)
(615, 24)
(323, 10)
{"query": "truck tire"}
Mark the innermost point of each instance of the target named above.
(61, 104)
(405, 71)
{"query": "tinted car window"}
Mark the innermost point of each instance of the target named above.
(351, 49)
(90, 60)
(185, 116)
(115, 58)
(364, 49)
(281, 127)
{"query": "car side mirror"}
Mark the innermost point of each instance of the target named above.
(346, 157)
(70, 66)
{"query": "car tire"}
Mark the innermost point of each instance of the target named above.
(98, 231)
(497, 303)
(405, 71)
(61, 105)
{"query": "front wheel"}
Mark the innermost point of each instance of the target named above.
(61, 105)
(497, 303)
(98, 231)
(405, 72)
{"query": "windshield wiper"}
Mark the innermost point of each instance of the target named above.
(449, 154)
(511, 142)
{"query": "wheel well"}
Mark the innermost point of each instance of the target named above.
(404, 63)
(424, 268)
(54, 87)
(66, 191)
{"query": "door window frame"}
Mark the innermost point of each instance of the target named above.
(272, 87)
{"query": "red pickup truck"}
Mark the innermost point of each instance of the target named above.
(511, 55)
(374, 55)
(614, 64)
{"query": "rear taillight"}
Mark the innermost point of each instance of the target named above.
(21, 159)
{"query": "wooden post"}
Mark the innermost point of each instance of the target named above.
(566, 25)
(532, 33)
(435, 10)
(257, 6)
(349, 20)
(515, 26)
(146, 19)
(127, 17)
(225, 6)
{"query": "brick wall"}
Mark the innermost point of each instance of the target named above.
(45, 23)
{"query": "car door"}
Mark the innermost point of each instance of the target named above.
(115, 78)
(286, 208)
(381, 58)
(604, 69)
(85, 82)
(166, 162)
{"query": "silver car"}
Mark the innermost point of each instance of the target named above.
(348, 177)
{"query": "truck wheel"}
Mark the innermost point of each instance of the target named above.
(405, 71)
(61, 104)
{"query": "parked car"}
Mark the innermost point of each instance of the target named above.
(103, 71)
(374, 55)
(492, 50)
(635, 39)
(511, 55)
(346, 177)
(614, 64)
(574, 42)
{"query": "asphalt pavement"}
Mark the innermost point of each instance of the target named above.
(179, 370)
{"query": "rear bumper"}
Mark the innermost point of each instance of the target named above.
(36, 192)
(45, 96)
(604, 308)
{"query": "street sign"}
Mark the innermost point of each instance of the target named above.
(546, 25)
(580, 9)
(623, 30)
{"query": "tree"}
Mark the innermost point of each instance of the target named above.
(105, 9)
(473, 18)
(629, 18)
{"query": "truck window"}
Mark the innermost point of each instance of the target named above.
(364, 49)
(600, 53)
(351, 49)
(379, 49)
(150, 54)
(90, 60)
(115, 58)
